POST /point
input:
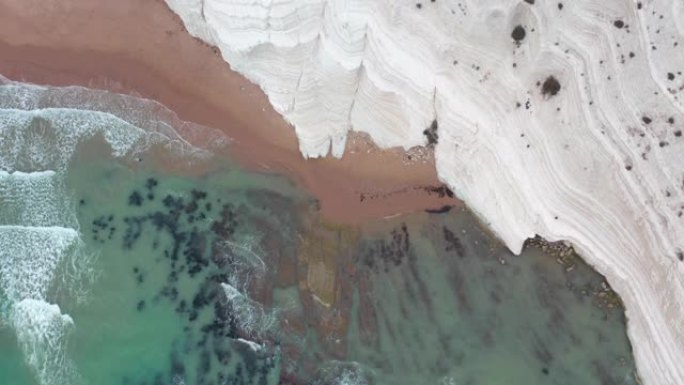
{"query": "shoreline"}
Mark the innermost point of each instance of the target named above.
(87, 44)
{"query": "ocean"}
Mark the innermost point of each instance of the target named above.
(129, 256)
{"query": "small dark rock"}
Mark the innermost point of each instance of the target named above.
(551, 86)
(518, 33)
(431, 133)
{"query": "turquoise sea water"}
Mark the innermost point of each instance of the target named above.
(126, 258)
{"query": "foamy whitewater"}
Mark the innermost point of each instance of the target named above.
(597, 162)
(34, 245)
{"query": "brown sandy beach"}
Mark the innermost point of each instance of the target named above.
(142, 48)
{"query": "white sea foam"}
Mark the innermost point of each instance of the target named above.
(451, 381)
(349, 377)
(35, 244)
(252, 345)
(47, 139)
(34, 199)
(245, 251)
(146, 114)
(249, 315)
(42, 333)
(29, 257)
(342, 373)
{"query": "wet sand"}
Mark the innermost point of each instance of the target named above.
(142, 48)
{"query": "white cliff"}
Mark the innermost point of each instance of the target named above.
(600, 163)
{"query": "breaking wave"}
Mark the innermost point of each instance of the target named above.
(29, 258)
(34, 199)
(249, 315)
(46, 139)
(145, 114)
(42, 332)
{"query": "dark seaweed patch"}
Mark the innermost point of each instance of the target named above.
(135, 199)
(134, 227)
(441, 191)
(151, 183)
(224, 227)
(102, 228)
(195, 253)
(387, 253)
(442, 210)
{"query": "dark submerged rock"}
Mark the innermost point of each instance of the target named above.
(442, 210)
(453, 243)
(135, 199)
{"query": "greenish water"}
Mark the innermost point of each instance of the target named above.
(114, 270)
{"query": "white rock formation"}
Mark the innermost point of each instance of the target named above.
(600, 164)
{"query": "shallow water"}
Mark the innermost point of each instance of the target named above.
(126, 260)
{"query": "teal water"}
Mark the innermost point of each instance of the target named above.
(126, 258)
